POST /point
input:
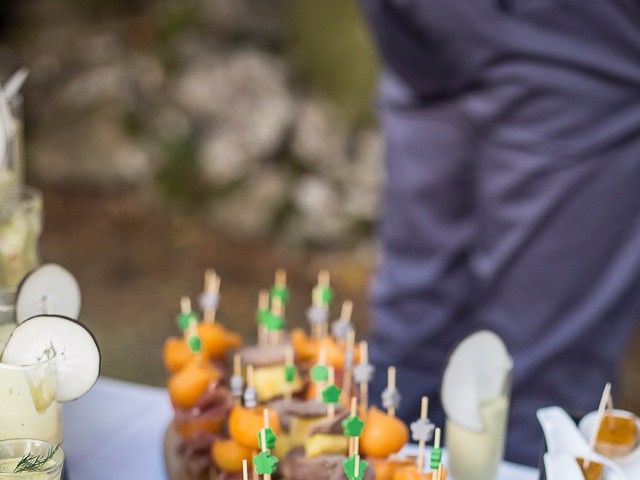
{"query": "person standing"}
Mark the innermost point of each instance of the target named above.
(512, 194)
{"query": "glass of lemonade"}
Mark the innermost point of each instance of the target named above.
(20, 228)
(12, 451)
(28, 405)
(476, 455)
(7, 314)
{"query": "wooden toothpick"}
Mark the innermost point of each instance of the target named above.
(277, 308)
(424, 411)
(185, 304)
(347, 311)
(348, 370)
(250, 376)
(322, 360)
(353, 412)
(281, 278)
(391, 385)
(237, 373)
(211, 286)
(604, 400)
(263, 436)
(364, 386)
(245, 470)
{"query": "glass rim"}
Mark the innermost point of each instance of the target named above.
(30, 366)
(52, 469)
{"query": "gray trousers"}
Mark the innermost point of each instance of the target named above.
(512, 195)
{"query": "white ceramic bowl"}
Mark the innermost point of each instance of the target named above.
(586, 427)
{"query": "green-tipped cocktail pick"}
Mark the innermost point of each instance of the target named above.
(436, 457)
(326, 295)
(349, 467)
(271, 438)
(265, 463)
(195, 344)
(273, 322)
(184, 320)
(319, 373)
(331, 394)
(281, 293)
(290, 372)
(352, 426)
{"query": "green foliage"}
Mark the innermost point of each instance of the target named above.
(333, 50)
(179, 176)
(174, 17)
(133, 123)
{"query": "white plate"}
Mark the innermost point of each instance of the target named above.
(562, 466)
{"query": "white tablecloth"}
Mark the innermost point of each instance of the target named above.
(115, 432)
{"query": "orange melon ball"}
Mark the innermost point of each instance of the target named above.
(382, 435)
(176, 354)
(228, 455)
(187, 386)
(245, 425)
(195, 427)
(217, 340)
(305, 347)
(412, 473)
(385, 468)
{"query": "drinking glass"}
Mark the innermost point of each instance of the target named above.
(11, 451)
(20, 228)
(28, 405)
(476, 455)
(7, 314)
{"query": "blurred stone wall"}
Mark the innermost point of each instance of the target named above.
(203, 105)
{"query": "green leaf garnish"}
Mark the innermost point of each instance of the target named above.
(35, 463)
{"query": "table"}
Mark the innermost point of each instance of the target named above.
(116, 432)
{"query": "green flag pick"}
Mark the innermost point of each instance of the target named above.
(331, 394)
(290, 372)
(319, 373)
(261, 316)
(270, 437)
(349, 467)
(273, 322)
(352, 426)
(265, 463)
(326, 295)
(195, 344)
(436, 457)
(184, 320)
(281, 292)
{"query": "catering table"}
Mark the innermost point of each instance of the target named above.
(116, 432)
